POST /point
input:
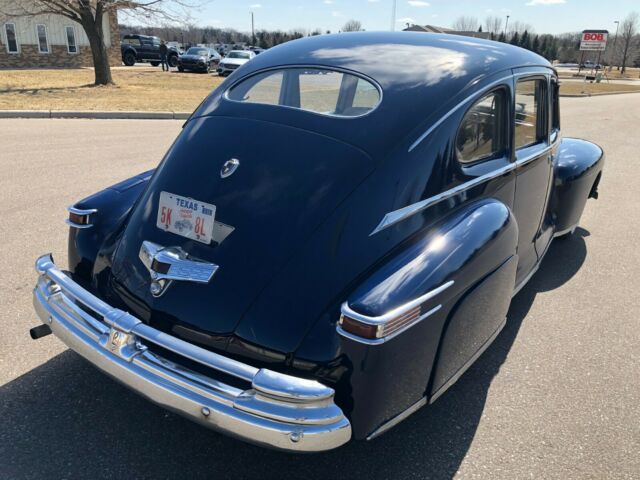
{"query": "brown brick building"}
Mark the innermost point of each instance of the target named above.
(52, 41)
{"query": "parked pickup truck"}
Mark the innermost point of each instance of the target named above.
(144, 48)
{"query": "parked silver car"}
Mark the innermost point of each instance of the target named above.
(233, 60)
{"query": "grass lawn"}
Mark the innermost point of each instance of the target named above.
(576, 88)
(143, 88)
(136, 89)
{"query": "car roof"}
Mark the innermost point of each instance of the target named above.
(422, 76)
(417, 56)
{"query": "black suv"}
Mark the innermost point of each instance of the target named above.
(143, 48)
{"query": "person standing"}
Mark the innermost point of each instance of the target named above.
(163, 56)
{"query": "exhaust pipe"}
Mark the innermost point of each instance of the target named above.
(40, 331)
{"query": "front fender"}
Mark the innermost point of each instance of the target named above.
(387, 378)
(113, 205)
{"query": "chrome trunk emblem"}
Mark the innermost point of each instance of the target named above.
(229, 167)
(166, 264)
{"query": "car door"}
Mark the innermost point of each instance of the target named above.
(533, 157)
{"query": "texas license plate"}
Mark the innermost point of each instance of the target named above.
(186, 217)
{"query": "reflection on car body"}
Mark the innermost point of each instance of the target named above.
(396, 191)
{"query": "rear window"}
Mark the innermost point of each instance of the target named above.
(316, 90)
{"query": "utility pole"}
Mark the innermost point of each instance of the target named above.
(615, 40)
(393, 17)
(505, 29)
(253, 32)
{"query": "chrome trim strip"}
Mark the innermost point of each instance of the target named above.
(80, 211)
(403, 213)
(396, 312)
(275, 409)
(397, 419)
(469, 362)
(455, 109)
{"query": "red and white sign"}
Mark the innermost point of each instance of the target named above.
(594, 40)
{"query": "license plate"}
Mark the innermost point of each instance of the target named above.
(186, 217)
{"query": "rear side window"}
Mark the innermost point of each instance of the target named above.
(322, 91)
(481, 133)
(530, 127)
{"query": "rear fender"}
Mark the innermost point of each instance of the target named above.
(465, 248)
(113, 205)
(577, 172)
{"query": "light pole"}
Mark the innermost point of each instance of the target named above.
(393, 17)
(253, 32)
(505, 28)
(615, 40)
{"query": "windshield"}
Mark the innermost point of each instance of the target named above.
(197, 51)
(245, 55)
(316, 90)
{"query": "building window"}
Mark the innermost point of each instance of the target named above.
(12, 40)
(72, 47)
(43, 43)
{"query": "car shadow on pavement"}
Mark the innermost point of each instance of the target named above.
(66, 420)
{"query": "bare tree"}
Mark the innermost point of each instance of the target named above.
(90, 15)
(493, 25)
(352, 26)
(520, 27)
(628, 31)
(466, 23)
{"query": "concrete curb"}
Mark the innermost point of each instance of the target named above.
(596, 94)
(94, 114)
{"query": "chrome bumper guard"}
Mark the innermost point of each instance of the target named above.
(278, 411)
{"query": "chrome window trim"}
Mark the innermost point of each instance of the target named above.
(346, 310)
(471, 97)
(346, 71)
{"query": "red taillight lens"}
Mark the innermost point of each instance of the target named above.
(359, 329)
(78, 219)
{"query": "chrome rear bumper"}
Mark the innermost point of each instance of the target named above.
(277, 410)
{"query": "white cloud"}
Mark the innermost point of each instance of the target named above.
(328, 2)
(418, 3)
(255, 5)
(335, 13)
(533, 3)
(373, 1)
(406, 20)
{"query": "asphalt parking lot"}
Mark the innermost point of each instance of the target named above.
(556, 396)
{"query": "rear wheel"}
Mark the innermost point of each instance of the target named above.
(129, 59)
(173, 61)
(155, 64)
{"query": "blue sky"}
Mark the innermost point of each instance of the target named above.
(546, 16)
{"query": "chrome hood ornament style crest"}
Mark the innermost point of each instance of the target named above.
(229, 167)
(166, 264)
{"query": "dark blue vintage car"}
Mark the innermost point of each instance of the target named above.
(343, 267)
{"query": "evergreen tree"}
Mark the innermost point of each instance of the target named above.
(480, 28)
(535, 46)
(525, 40)
(515, 39)
(502, 38)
